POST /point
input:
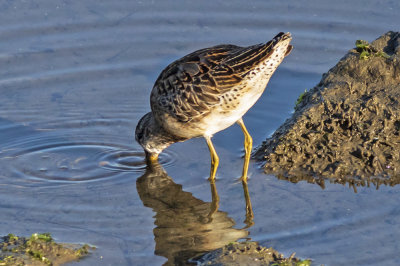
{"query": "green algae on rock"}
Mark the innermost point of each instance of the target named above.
(300, 99)
(39, 249)
(347, 128)
(366, 50)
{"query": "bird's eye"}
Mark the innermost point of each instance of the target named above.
(140, 135)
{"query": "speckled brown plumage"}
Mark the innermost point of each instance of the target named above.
(207, 91)
(191, 86)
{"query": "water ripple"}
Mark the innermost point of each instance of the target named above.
(130, 161)
(63, 160)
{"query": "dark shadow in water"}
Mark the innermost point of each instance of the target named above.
(186, 226)
(352, 182)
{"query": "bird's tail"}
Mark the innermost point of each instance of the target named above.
(245, 59)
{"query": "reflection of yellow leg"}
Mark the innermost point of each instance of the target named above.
(215, 201)
(214, 159)
(248, 145)
(249, 210)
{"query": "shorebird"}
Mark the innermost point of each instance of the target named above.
(207, 91)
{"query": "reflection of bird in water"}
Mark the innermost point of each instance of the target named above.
(207, 91)
(185, 226)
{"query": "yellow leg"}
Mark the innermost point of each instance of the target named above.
(248, 145)
(214, 159)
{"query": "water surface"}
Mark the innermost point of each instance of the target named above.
(75, 78)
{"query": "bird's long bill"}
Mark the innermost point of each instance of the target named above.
(151, 157)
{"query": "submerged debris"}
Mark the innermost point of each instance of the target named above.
(347, 128)
(39, 249)
(248, 253)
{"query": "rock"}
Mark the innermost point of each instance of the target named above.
(39, 249)
(347, 127)
(247, 253)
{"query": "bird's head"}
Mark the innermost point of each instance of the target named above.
(152, 137)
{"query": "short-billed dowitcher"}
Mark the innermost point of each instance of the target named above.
(207, 91)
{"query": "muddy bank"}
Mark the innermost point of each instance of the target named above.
(248, 253)
(347, 127)
(39, 249)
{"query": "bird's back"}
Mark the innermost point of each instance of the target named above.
(209, 89)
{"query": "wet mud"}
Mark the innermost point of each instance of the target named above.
(347, 128)
(39, 249)
(248, 253)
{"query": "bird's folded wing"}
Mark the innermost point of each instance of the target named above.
(189, 87)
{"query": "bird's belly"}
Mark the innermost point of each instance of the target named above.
(220, 116)
(224, 115)
(218, 119)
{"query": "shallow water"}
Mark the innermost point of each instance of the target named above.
(76, 77)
